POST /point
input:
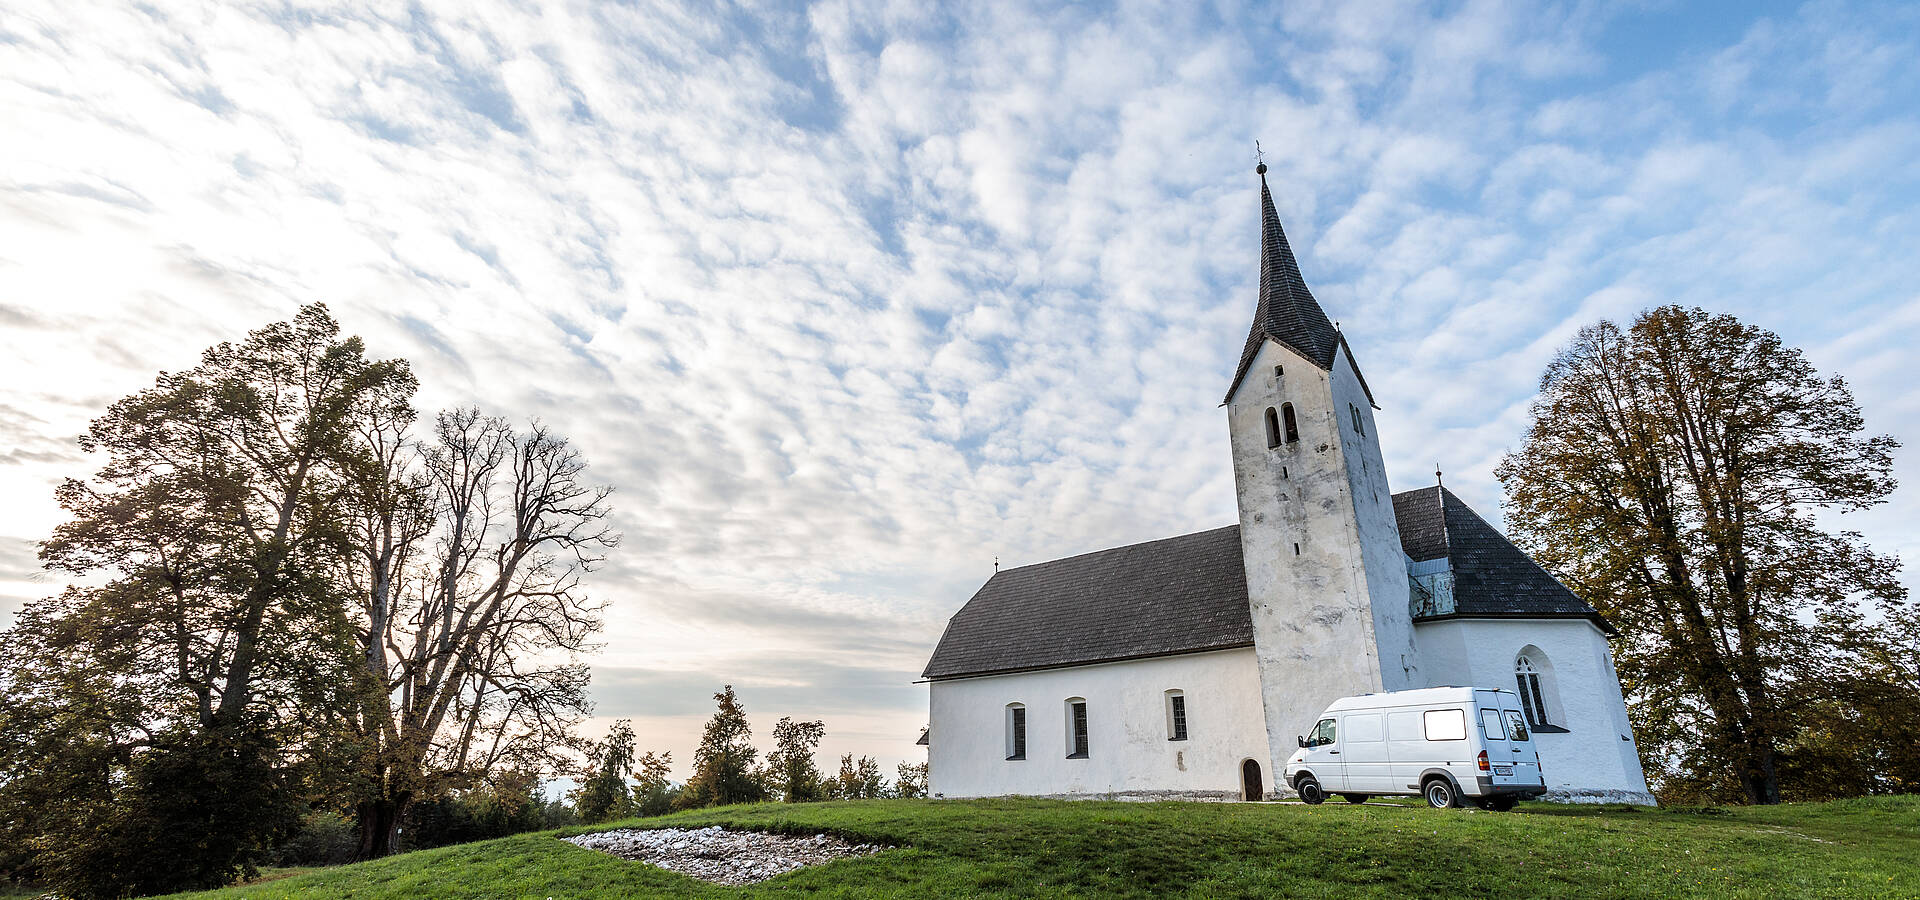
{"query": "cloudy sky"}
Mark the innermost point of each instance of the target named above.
(847, 300)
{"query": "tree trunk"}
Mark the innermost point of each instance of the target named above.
(1761, 777)
(379, 822)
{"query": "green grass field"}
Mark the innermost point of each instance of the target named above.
(1036, 848)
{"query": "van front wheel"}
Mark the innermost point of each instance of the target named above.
(1311, 793)
(1440, 794)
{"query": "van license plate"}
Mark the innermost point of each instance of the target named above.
(1503, 770)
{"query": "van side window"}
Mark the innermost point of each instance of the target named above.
(1446, 724)
(1490, 725)
(1403, 726)
(1323, 734)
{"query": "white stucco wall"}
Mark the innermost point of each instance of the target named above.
(1378, 527)
(1129, 754)
(1322, 614)
(1596, 761)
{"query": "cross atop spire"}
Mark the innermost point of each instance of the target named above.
(1287, 312)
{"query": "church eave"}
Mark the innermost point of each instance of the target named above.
(1355, 365)
(1596, 618)
(1078, 663)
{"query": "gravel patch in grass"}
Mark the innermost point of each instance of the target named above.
(720, 855)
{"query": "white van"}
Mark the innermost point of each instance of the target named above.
(1449, 744)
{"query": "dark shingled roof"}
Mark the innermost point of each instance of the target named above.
(1189, 593)
(1287, 311)
(1490, 575)
(1177, 595)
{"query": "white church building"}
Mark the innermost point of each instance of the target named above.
(1186, 667)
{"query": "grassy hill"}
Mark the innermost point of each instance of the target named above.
(1028, 848)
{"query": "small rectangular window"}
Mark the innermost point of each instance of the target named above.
(1079, 731)
(1179, 718)
(1018, 727)
(1516, 725)
(1490, 725)
(1446, 725)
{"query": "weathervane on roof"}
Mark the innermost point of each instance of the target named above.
(1259, 159)
(1436, 476)
(996, 565)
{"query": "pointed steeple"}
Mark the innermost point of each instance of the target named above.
(1287, 311)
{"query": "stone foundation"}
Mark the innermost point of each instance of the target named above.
(1637, 798)
(1145, 796)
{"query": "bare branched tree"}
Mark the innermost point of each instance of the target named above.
(471, 550)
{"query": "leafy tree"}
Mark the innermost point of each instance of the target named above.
(859, 780)
(558, 813)
(723, 764)
(653, 792)
(197, 809)
(324, 838)
(603, 796)
(912, 781)
(288, 596)
(507, 803)
(794, 774)
(175, 675)
(1675, 475)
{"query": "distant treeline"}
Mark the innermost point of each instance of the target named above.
(728, 769)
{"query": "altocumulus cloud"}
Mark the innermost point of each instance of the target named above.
(848, 299)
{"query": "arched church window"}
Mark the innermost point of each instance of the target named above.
(1016, 731)
(1273, 429)
(1293, 427)
(1176, 715)
(1533, 698)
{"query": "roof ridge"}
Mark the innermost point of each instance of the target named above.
(1060, 559)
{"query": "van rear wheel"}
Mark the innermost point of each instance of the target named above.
(1440, 794)
(1355, 799)
(1311, 793)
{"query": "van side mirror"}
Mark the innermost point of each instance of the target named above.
(1300, 739)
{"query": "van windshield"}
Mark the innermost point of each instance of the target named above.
(1516, 725)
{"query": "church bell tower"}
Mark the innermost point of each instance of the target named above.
(1326, 575)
